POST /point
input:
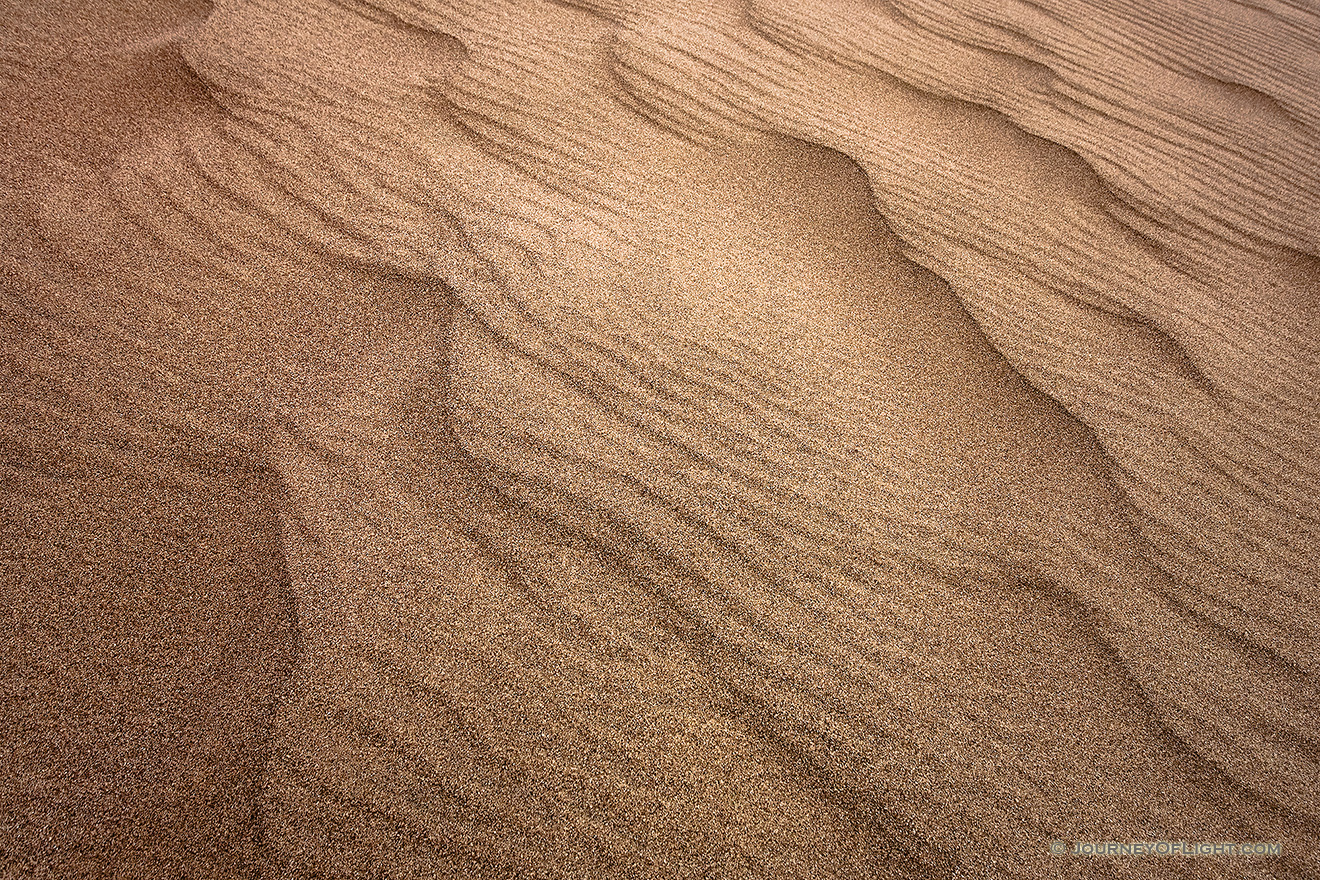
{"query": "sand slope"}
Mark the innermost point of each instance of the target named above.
(557, 439)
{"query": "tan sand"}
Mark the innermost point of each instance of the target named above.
(638, 439)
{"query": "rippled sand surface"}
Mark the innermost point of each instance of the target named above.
(531, 438)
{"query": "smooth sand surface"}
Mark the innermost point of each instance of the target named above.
(533, 438)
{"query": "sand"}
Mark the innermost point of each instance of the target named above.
(534, 438)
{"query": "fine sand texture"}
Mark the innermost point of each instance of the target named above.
(658, 438)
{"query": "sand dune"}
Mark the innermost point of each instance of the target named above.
(535, 438)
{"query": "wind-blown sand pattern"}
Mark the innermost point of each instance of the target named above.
(632, 439)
